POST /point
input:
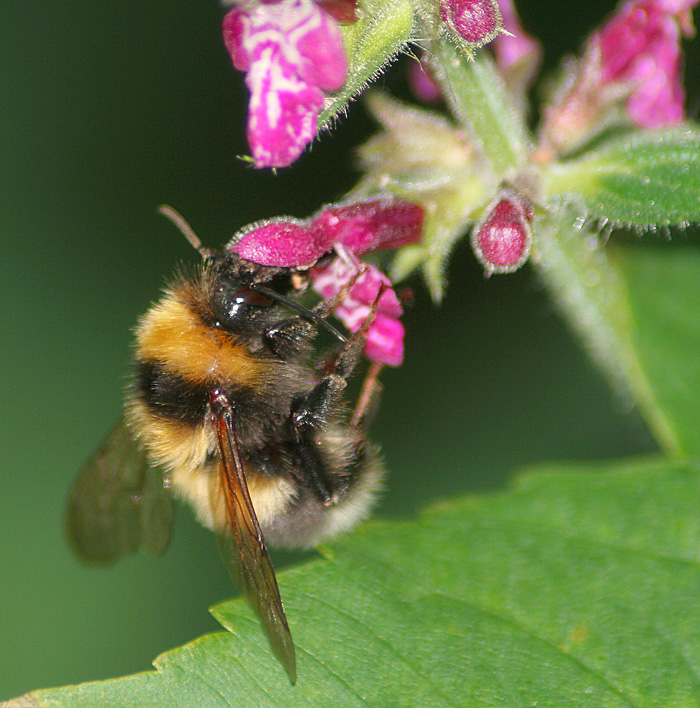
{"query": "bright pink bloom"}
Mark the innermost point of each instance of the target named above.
(351, 230)
(292, 52)
(502, 239)
(360, 227)
(371, 225)
(371, 290)
(640, 46)
(475, 21)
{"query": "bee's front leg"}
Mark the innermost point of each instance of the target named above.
(309, 415)
(287, 338)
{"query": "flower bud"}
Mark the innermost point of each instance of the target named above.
(502, 239)
(475, 22)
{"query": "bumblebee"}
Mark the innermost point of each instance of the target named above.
(230, 409)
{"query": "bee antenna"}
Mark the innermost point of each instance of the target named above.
(185, 229)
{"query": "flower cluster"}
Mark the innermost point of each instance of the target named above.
(292, 52)
(349, 231)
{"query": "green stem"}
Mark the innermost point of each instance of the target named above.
(477, 96)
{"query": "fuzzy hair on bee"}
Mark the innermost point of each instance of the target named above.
(234, 409)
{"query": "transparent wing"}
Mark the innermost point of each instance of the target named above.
(243, 546)
(118, 503)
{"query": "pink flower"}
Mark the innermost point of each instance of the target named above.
(359, 227)
(371, 291)
(291, 51)
(635, 58)
(421, 80)
(351, 230)
(371, 225)
(640, 46)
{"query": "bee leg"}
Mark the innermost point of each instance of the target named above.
(309, 414)
(287, 337)
(312, 411)
(368, 400)
(326, 306)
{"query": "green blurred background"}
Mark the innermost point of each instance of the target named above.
(108, 110)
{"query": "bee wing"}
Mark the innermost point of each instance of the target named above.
(243, 546)
(118, 502)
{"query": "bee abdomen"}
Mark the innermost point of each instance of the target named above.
(169, 395)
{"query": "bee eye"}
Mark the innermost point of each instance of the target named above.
(235, 305)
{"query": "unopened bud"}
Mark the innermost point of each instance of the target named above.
(502, 239)
(475, 21)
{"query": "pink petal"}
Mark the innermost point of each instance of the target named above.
(516, 47)
(372, 224)
(367, 288)
(322, 53)
(236, 28)
(659, 102)
(290, 49)
(421, 81)
(640, 45)
(282, 242)
(384, 343)
(282, 112)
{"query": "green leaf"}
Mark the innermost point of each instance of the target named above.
(637, 313)
(442, 228)
(477, 96)
(579, 587)
(647, 180)
(663, 297)
(145, 690)
(382, 31)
